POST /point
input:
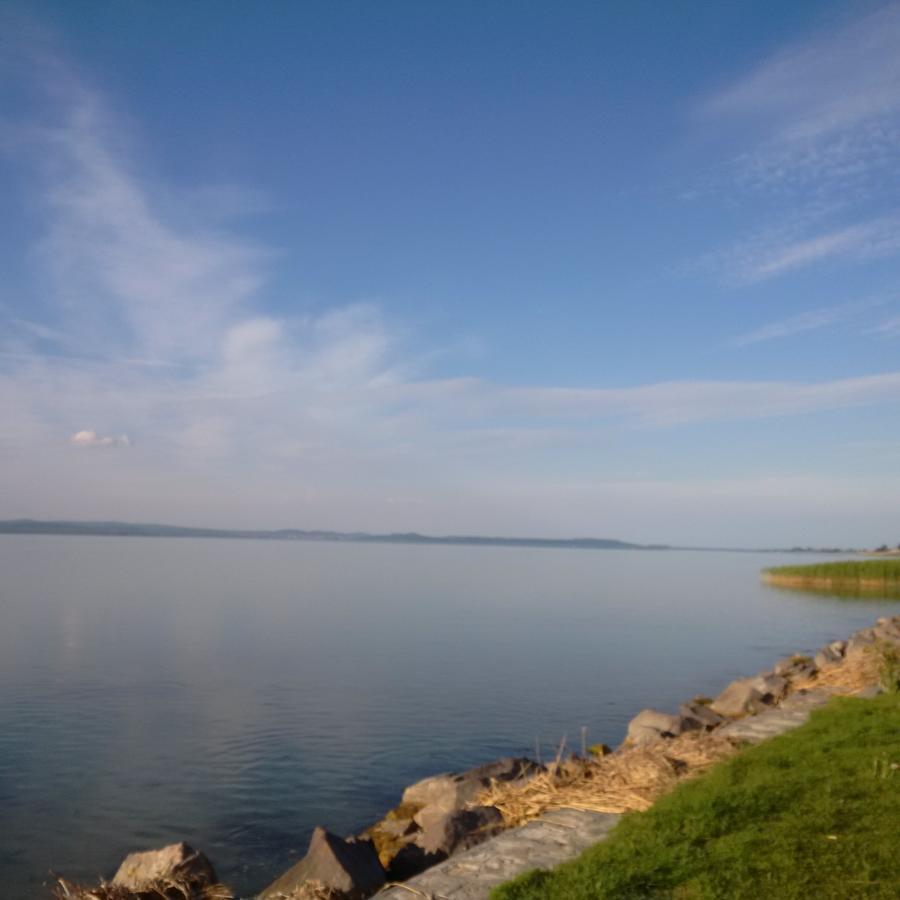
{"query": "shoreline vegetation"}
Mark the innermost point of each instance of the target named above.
(856, 577)
(453, 812)
(809, 813)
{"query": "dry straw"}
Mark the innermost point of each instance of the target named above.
(164, 889)
(628, 780)
(634, 777)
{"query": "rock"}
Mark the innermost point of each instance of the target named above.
(700, 716)
(796, 666)
(453, 790)
(888, 629)
(349, 868)
(650, 725)
(750, 695)
(176, 862)
(410, 860)
(392, 833)
(772, 687)
(446, 832)
(832, 653)
(859, 643)
(738, 699)
(396, 828)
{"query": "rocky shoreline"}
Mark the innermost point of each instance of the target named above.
(448, 814)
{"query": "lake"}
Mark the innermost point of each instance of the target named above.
(234, 694)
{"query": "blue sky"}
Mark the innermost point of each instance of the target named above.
(621, 269)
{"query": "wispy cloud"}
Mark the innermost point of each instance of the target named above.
(685, 402)
(826, 108)
(781, 249)
(890, 328)
(811, 320)
(814, 129)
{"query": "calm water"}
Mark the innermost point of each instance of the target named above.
(236, 693)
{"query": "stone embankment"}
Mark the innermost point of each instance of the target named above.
(458, 835)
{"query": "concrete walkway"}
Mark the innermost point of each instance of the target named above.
(546, 842)
(792, 712)
(563, 834)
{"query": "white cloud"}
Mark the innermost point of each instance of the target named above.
(828, 107)
(811, 320)
(781, 249)
(889, 328)
(89, 438)
(685, 402)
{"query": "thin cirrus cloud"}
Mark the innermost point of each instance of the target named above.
(816, 126)
(811, 320)
(828, 107)
(778, 250)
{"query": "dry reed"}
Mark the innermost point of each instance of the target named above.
(164, 889)
(628, 780)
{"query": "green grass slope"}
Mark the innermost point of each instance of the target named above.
(813, 813)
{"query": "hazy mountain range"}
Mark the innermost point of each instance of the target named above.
(129, 529)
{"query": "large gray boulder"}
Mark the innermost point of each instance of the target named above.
(795, 667)
(697, 716)
(747, 696)
(175, 862)
(349, 869)
(453, 790)
(772, 687)
(651, 725)
(833, 653)
(860, 643)
(888, 629)
(448, 832)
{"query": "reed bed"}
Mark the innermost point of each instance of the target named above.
(861, 572)
(849, 676)
(629, 780)
(633, 778)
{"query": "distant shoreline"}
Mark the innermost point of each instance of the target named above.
(127, 529)
(130, 529)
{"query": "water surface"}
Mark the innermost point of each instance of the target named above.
(235, 694)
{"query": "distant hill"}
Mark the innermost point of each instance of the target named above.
(129, 529)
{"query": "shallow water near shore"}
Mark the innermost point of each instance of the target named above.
(235, 693)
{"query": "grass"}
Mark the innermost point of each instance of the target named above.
(813, 813)
(858, 571)
(862, 578)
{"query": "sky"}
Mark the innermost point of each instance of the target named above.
(613, 269)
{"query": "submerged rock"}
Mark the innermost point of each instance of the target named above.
(176, 862)
(348, 869)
